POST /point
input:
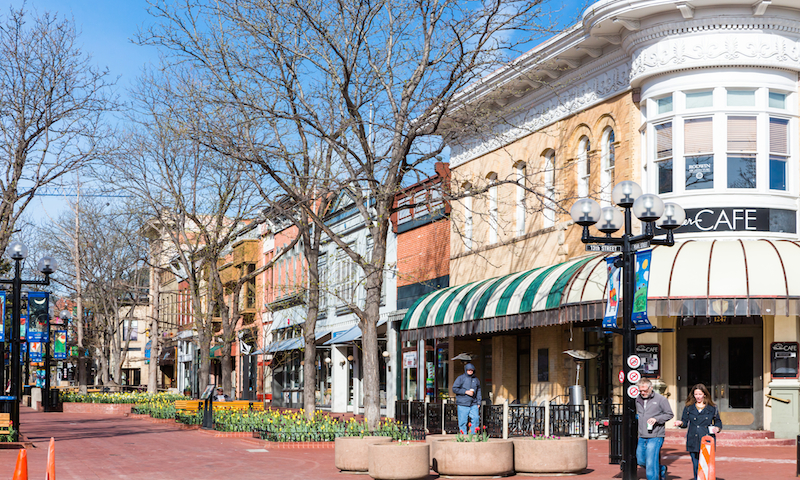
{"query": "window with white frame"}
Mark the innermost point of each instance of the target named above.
(664, 157)
(519, 170)
(730, 138)
(742, 150)
(404, 214)
(322, 272)
(778, 152)
(493, 210)
(345, 277)
(609, 160)
(698, 150)
(584, 168)
(468, 215)
(549, 188)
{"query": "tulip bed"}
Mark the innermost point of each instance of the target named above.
(136, 397)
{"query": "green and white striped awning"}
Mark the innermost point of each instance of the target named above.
(556, 294)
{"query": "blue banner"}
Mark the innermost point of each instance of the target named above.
(642, 273)
(60, 345)
(23, 349)
(612, 299)
(3, 316)
(35, 352)
(38, 316)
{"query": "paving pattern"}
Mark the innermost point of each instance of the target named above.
(113, 447)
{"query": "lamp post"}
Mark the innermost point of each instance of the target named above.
(47, 265)
(650, 210)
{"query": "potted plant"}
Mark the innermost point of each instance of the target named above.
(398, 460)
(551, 454)
(473, 454)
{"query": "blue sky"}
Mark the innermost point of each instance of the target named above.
(106, 29)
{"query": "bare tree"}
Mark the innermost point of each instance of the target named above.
(372, 80)
(52, 102)
(196, 199)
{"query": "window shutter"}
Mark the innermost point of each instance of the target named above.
(664, 140)
(699, 135)
(742, 134)
(778, 141)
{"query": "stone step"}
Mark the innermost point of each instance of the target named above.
(728, 434)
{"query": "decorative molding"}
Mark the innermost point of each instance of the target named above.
(592, 52)
(631, 24)
(686, 10)
(550, 73)
(612, 39)
(570, 62)
(559, 104)
(720, 47)
(760, 8)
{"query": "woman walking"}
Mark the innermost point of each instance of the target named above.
(701, 417)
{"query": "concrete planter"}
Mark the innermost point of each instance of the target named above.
(432, 440)
(350, 453)
(563, 455)
(473, 459)
(398, 461)
(97, 408)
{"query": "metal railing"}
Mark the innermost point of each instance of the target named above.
(520, 420)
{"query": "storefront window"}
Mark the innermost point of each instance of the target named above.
(442, 368)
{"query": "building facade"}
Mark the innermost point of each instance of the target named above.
(695, 101)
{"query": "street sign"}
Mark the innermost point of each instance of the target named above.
(621, 376)
(633, 391)
(604, 248)
(634, 361)
(634, 376)
(640, 245)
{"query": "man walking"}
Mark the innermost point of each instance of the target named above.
(468, 397)
(653, 411)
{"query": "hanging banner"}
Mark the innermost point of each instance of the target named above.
(23, 327)
(23, 349)
(642, 274)
(60, 345)
(3, 316)
(38, 316)
(612, 300)
(35, 352)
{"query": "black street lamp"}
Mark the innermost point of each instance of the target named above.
(47, 265)
(649, 209)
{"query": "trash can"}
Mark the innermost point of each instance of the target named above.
(55, 400)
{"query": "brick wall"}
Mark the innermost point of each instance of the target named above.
(423, 253)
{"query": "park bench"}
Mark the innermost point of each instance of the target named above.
(195, 405)
(5, 423)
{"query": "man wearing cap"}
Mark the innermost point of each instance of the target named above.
(467, 388)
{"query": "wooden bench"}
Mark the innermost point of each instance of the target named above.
(239, 405)
(195, 405)
(188, 405)
(5, 423)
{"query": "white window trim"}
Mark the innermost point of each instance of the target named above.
(519, 170)
(549, 217)
(606, 170)
(493, 210)
(583, 163)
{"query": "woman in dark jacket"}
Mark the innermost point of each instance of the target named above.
(701, 417)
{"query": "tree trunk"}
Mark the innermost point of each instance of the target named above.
(155, 298)
(309, 331)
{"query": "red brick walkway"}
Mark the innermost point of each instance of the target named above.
(112, 447)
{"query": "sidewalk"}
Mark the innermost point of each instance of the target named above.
(111, 447)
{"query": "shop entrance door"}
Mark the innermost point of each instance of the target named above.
(727, 359)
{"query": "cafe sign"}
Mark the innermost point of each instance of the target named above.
(739, 219)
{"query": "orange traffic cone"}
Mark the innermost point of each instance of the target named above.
(51, 460)
(706, 469)
(21, 470)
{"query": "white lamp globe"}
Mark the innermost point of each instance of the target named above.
(585, 212)
(648, 207)
(625, 193)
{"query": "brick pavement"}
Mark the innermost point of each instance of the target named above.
(114, 447)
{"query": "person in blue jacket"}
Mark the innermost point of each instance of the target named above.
(467, 388)
(701, 417)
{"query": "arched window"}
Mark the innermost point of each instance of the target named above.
(493, 213)
(467, 188)
(549, 203)
(519, 171)
(607, 172)
(584, 167)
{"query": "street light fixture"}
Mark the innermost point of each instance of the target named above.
(47, 266)
(649, 209)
